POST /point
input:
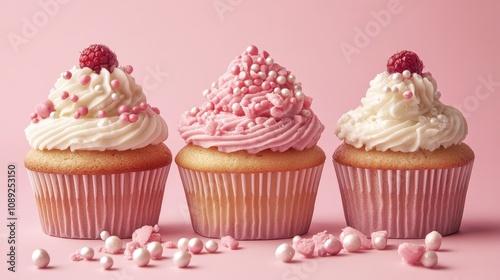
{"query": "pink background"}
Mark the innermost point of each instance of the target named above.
(178, 48)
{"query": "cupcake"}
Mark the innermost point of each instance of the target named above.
(97, 160)
(251, 165)
(403, 166)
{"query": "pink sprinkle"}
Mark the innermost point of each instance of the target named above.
(253, 89)
(64, 95)
(43, 110)
(265, 54)
(235, 70)
(252, 50)
(261, 60)
(124, 117)
(257, 82)
(123, 109)
(83, 111)
(101, 114)
(132, 118)
(410, 252)
(244, 90)
(229, 242)
(408, 94)
(305, 246)
(156, 110)
(76, 115)
(130, 247)
(35, 120)
(146, 234)
(143, 106)
(320, 238)
(66, 75)
(85, 79)
(169, 245)
(74, 98)
(365, 242)
(76, 257)
(115, 83)
(33, 116)
(128, 69)
(266, 85)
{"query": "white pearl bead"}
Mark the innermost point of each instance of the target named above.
(396, 77)
(387, 89)
(141, 257)
(299, 95)
(284, 252)
(87, 253)
(379, 242)
(285, 92)
(269, 61)
(429, 259)
(205, 92)
(99, 88)
(332, 246)
(211, 246)
(281, 80)
(236, 90)
(395, 89)
(262, 75)
(214, 85)
(155, 250)
(296, 239)
(406, 74)
(248, 82)
(291, 78)
(277, 90)
(236, 107)
(351, 243)
(255, 67)
(433, 241)
(272, 74)
(106, 262)
(40, 258)
(113, 244)
(195, 245)
(104, 234)
(115, 96)
(181, 258)
(183, 244)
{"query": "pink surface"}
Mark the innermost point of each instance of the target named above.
(334, 48)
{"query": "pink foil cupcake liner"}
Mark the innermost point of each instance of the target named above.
(81, 206)
(406, 203)
(268, 205)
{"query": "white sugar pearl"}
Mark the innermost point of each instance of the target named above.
(406, 74)
(332, 246)
(181, 258)
(106, 262)
(284, 252)
(342, 234)
(215, 85)
(87, 253)
(195, 245)
(255, 67)
(155, 250)
(183, 244)
(379, 242)
(433, 241)
(104, 234)
(291, 78)
(205, 92)
(236, 107)
(99, 88)
(141, 257)
(285, 92)
(281, 80)
(351, 243)
(396, 77)
(113, 244)
(299, 95)
(296, 239)
(40, 258)
(269, 61)
(211, 246)
(272, 74)
(429, 259)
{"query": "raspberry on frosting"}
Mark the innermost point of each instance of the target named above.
(405, 60)
(98, 56)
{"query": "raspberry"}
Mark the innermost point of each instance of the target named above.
(98, 56)
(405, 60)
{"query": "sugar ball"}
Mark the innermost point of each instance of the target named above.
(106, 262)
(211, 246)
(181, 258)
(351, 242)
(284, 252)
(429, 259)
(141, 257)
(113, 244)
(433, 241)
(40, 258)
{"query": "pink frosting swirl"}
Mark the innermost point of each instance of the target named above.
(256, 105)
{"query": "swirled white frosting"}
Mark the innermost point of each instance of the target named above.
(108, 100)
(402, 114)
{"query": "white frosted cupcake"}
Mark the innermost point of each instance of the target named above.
(403, 166)
(251, 166)
(97, 161)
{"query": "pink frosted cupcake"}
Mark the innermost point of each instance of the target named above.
(97, 161)
(403, 166)
(251, 166)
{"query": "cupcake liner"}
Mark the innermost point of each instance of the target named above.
(406, 203)
(81, 206)
(267, 205)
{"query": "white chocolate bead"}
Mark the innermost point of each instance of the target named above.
(106, 262)
(40, 258)
(183, 244)
(195, 245)
(113, 244)
(104, 234)
(155, 250)
(433, 241)
(351, 243)
(181, 258)
(284, 252)
(429, 259)
(211, 246)
(141, 257)
(87, 253)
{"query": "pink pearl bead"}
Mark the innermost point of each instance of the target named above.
(244, 90)
(252, 50)
(76, 115)
(266, 85)
(351, 243)
(135, 110)
(101, 114)
(143, 106)
(33, 116)
(293, 100)
(66, 75)
(114, 83)
(132, 118)
(257, 82)
(123, 109)
(211, 246)
(35, 120)
(124, 117)
(74, 98)
(261, 60)
(257, 107)
(85, 79)
(156, 110)
(83, 111)
(195, 245)
(407, 94)
(64, 95)
(128, 69)
(433, 241)
(235, 70)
